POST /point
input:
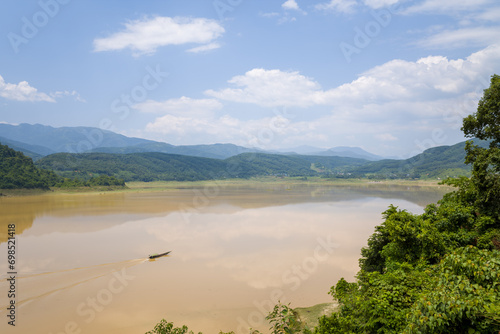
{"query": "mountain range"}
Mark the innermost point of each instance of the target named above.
(36, 141)
(85, 152)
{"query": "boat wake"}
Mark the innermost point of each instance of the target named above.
(40, 285)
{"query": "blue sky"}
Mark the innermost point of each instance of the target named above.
(394, 77)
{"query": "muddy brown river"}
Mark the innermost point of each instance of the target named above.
(81, 261)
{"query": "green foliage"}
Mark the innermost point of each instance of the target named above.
(154, 166)
(442, 161)
(99, 181)
(18, 172)
(169, 167)
(465, 289)
(484, 185)
(164, 327)
(485, 123)
(134, 167)
(283, 320)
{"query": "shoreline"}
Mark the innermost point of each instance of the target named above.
(158, 186)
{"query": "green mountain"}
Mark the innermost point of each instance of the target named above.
(134, 166)
(436, 162)
(18, 171)
(162, 166)
(442, 161)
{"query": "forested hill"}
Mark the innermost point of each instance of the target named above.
(165, 167)
(18, 171)
(154, 166)
(441, 161)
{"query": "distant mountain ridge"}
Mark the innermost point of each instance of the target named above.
(214, 151)
(41, 140)
(349, 152)
(66, 139)
(27, 149)
(437, 162)
(38, 140)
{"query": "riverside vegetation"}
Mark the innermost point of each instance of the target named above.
(438, 272)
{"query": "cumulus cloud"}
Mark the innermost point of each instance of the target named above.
(289, 8)
(342, 6)
(290, 5)
(22, 92)
(429, 78)
(269, 88)
(398, 100)
(146, 35)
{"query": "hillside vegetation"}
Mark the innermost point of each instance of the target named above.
(154, 166)
(441, 161)
(18, 172)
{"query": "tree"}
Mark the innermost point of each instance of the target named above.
(483, 188)
(485, 123)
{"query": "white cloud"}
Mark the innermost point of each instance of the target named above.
(204, 48)
(398, 100)
(380, 3)
(447, 6)
(22, 92)
(491, 14)
(342, 6)
(183, 106)
(270, 88)
(146, 35)
(465, 37)
(269, 15)
(427, 79)
(290, 5)
(73, 93)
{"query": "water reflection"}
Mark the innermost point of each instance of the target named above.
(234, 251)
(24, 210)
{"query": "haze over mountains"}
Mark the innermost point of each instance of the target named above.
(39, 140)
(136, 159)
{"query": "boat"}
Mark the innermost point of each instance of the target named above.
(154, 256)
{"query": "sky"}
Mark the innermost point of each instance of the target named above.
(393, 77)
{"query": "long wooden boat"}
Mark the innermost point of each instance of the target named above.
(154, 256)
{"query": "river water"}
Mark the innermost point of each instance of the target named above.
(81, 262)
